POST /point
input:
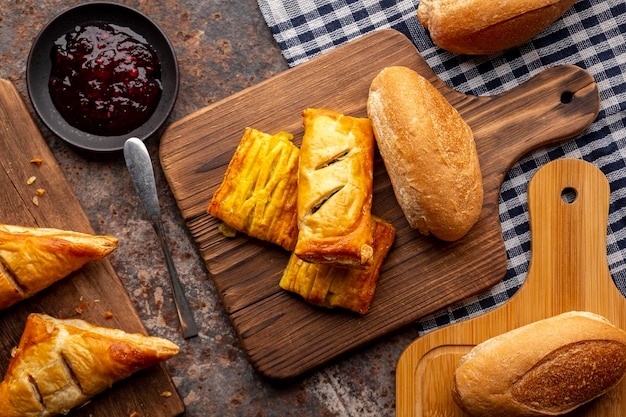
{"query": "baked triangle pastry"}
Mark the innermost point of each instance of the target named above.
(61, 364)
(329, 286)
(258, 194)
(32, 259)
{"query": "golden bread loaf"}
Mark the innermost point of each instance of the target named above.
(485, 26)
(429, 152)
(548, 367)
(61, 364)
(33, 258)
(335, 178)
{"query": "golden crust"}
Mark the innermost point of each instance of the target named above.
(429, 152)
(60, 364)
(547, 367)
(328, 286)
(335, 189)
(258, 194)
(32, 259)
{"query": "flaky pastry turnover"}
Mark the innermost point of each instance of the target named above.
(61, 364)
(258, 193)
(329, 286)
(335, 178)
(32, 259)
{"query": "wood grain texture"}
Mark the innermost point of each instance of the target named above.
(568, 271)
(96, 283)
(282, 336)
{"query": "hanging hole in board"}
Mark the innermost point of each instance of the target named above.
(569, 195)
(566, 97)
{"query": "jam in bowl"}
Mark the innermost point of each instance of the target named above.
(100, 73)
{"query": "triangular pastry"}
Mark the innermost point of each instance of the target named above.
(61, 364)
(335, 180)
(258, 194)
(32, 259)
(329, 286)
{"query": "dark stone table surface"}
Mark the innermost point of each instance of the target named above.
(223, 46)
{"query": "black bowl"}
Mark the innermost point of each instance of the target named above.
(39, 65)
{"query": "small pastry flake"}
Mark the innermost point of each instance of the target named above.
(32, 259)
(329, 286)
(335, 179)
(258, 194)
(61, 364)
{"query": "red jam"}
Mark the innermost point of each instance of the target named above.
(105, 79)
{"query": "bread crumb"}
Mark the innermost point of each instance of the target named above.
(108, 315)
(134, 414)
(36, 201)
(82, 307)
(40, 192)
(166, 394)
(36, 161)
(31, 180)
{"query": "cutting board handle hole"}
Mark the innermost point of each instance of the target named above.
(568, 195)
(566, 97)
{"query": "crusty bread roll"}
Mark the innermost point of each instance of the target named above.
(548, 367)
(429, 153)
(485, 26)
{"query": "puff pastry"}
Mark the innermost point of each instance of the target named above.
(258, 193)
(60, 364)
(32, 259)
(328, 286)
(335, 178)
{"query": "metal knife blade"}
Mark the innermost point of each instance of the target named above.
(141, 172)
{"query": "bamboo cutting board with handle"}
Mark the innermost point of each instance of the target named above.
(284, 337)
(94, 289)
(568, 202)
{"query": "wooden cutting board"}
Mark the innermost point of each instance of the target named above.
(568, 271)
(284, 337)
(96, 283)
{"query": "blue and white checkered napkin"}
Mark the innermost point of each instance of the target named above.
(591, 35)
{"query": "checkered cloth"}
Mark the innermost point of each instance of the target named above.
(591, 35)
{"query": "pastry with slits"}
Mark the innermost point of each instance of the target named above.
(329, 286)
(335, 189)
(61, 364)
(258, 194)
(32, 258)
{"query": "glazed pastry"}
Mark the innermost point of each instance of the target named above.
(32, 259)
(258, 193)
(329, 286)
(61, 364)
(335, 189)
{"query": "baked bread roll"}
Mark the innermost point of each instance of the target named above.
(61, 364)
(486, 27)
(429, 153)
(329, 286)
(548, 367)
(258, 193)
(335, 178)
(32, 259)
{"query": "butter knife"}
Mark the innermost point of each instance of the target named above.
(141, 172)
